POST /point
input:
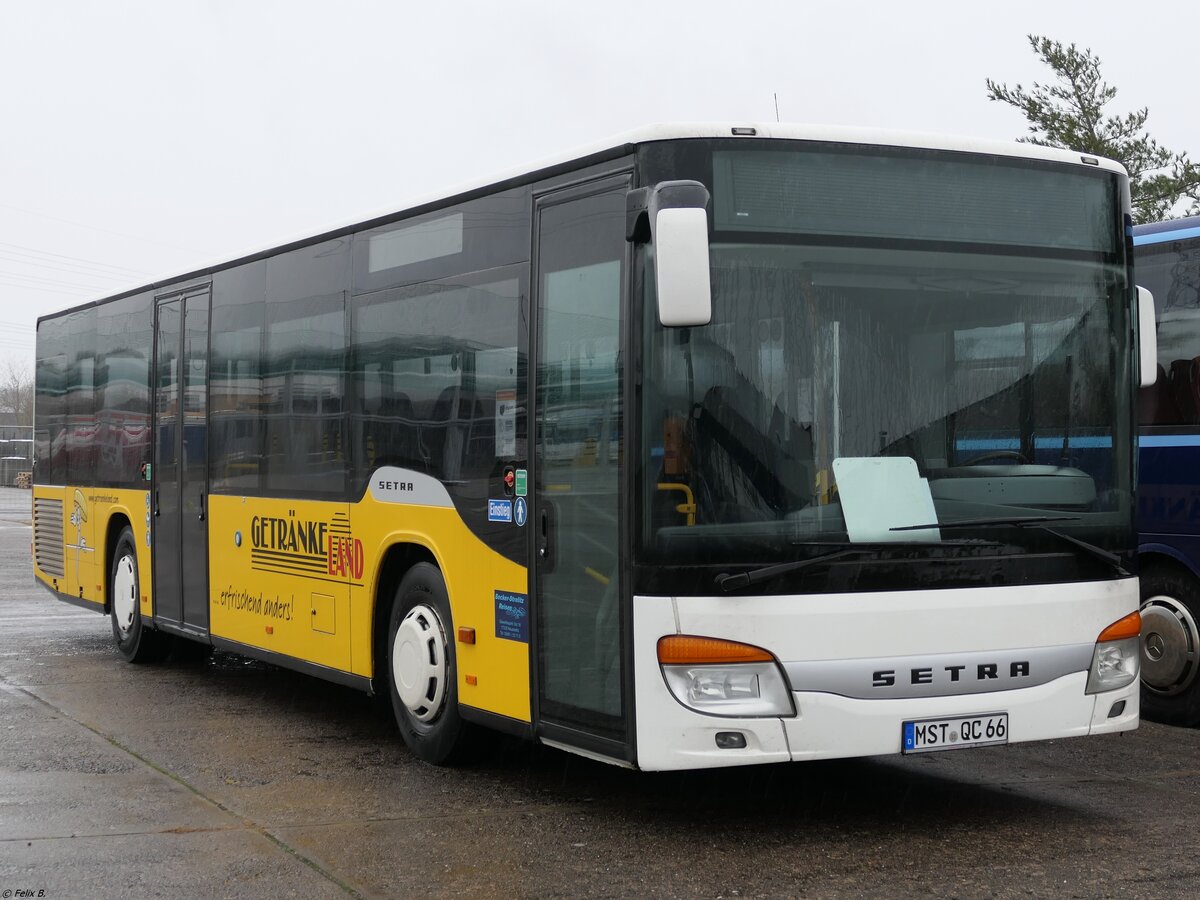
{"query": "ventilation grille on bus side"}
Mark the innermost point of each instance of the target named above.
(48, 535)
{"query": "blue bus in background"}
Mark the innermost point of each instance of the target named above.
(1168, 264)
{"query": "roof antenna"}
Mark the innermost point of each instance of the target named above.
(776, 96)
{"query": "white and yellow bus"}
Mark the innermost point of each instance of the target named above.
(705, 446)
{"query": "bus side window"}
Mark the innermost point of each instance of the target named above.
(1156, 406)
(304, 382)
(445, 350)
(1184, 388)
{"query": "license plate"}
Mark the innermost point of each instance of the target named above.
(927, 735)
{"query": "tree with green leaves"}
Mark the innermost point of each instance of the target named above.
(1069, 113)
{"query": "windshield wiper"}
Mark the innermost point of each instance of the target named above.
(1037, 522)
(1017, 521)
(729, 582)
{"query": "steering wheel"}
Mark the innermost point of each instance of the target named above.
(1014, 455)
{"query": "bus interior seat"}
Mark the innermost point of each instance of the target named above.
(1183, 390)
(1156, 404)
(479, 453)
(457, 415)
(732, 454)
(393, 432)
(1194, 388)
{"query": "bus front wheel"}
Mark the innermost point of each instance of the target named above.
(135, 642)
(1170, 647)
(422, 670)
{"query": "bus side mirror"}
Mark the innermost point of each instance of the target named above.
(1147, 339)
(673, 216)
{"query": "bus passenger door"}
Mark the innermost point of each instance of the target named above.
(575, 515)
(180, 467)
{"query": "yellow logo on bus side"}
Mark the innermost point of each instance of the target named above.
(79, 515)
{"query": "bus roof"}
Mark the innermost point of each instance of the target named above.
(1170, 230)
(611, 148)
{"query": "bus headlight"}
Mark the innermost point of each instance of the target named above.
(723, 678)
(1116, 660)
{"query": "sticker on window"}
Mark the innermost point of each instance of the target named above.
(500, 511)
(506, 423)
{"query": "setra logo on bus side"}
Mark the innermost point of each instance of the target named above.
(395, 485)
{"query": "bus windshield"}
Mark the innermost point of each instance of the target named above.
(892, 359)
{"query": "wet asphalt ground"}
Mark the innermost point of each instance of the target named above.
(231, 778)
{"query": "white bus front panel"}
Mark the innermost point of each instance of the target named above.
(860, 666)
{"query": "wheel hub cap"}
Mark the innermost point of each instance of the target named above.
(124, 593)
(419, 663)
(1170, 645)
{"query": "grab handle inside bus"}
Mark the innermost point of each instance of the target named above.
(1147, 339)
(673, 215)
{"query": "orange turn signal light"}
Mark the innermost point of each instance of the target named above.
(690, 650)
(1128, 627)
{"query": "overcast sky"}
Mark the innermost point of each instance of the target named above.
(141, 139)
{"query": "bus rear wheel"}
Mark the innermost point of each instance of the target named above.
(135, 642)
(422, 670)
(1170, 647)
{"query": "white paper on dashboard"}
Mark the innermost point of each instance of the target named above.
(879, 493)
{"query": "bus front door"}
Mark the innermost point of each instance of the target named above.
(578, 647)
(180, 467)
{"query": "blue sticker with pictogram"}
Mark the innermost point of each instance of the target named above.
(520, 511)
